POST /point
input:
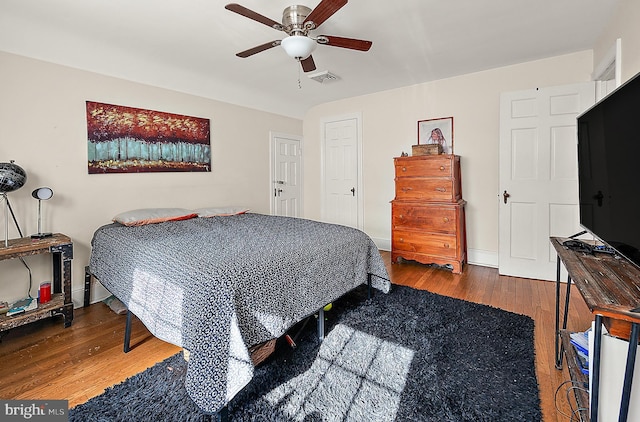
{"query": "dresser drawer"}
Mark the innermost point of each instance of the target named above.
(436, 166)
(442, 219)
(425, 189)
(428, 244)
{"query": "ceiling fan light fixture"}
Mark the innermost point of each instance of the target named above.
(298, 46)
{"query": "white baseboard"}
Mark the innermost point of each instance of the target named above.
(482, 258)
(382, 244)
(98, 294)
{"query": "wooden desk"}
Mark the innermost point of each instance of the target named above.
(61, 249)
(610, 286)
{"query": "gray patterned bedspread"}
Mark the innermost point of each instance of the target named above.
(219, 285)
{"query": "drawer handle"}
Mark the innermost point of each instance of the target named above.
(400, 217)
(446, 245)
(401, 239)
(441, 168)
(404, 169)
(446, 219)
(441, 189)
(406, 189)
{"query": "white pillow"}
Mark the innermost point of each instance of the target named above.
(144, 216)
(220, 211)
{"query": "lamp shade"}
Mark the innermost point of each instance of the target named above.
(42, 193)
(12, 177)
(299, 47)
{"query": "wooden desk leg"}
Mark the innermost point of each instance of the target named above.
(628, 372)
(557, 341)
(595, 380)
(56, 258)
(66, 280)
(566, 303)
(62, 256)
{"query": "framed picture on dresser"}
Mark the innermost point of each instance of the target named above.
(437, 131)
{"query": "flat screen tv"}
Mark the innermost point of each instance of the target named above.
(609, 169)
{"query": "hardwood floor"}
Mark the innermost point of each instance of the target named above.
(43, 360)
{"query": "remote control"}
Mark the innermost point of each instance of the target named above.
(604, 249)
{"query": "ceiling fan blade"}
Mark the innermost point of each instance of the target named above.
(257, 49)
(308, 64)
(350, 43)
(323, 11)
(248, 13)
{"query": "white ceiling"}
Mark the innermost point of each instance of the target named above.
(190, 45)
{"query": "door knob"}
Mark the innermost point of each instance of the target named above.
(353, 191)
(599, 197)
(505, 196)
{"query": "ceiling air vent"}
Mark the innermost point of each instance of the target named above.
(324, 76)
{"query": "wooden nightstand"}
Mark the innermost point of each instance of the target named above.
(61, 249)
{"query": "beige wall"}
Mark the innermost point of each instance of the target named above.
(43, 128)
(389, 121)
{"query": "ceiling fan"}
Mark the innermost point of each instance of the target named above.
(297, 21)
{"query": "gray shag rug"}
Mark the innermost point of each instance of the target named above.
(410, 355)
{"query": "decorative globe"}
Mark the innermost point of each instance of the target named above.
(12, 177)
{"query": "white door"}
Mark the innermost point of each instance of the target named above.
(342, 195)
(538, 176)
(286, 181)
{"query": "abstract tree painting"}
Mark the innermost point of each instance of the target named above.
(131, 140)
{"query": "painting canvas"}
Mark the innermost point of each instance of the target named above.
(131, 140)
(437, 131)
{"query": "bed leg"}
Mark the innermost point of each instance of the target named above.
(127, 333)
(221, 416)
(321, 324)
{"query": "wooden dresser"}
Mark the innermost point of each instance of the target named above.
(427, 214)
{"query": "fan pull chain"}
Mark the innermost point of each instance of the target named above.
(299, 83)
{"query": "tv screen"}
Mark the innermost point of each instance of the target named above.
(608, 169)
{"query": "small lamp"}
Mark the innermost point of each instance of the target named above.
(12, 177)
(41, 194)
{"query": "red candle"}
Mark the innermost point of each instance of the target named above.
(45, 292)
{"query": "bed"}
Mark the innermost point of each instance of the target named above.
(217, 286)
